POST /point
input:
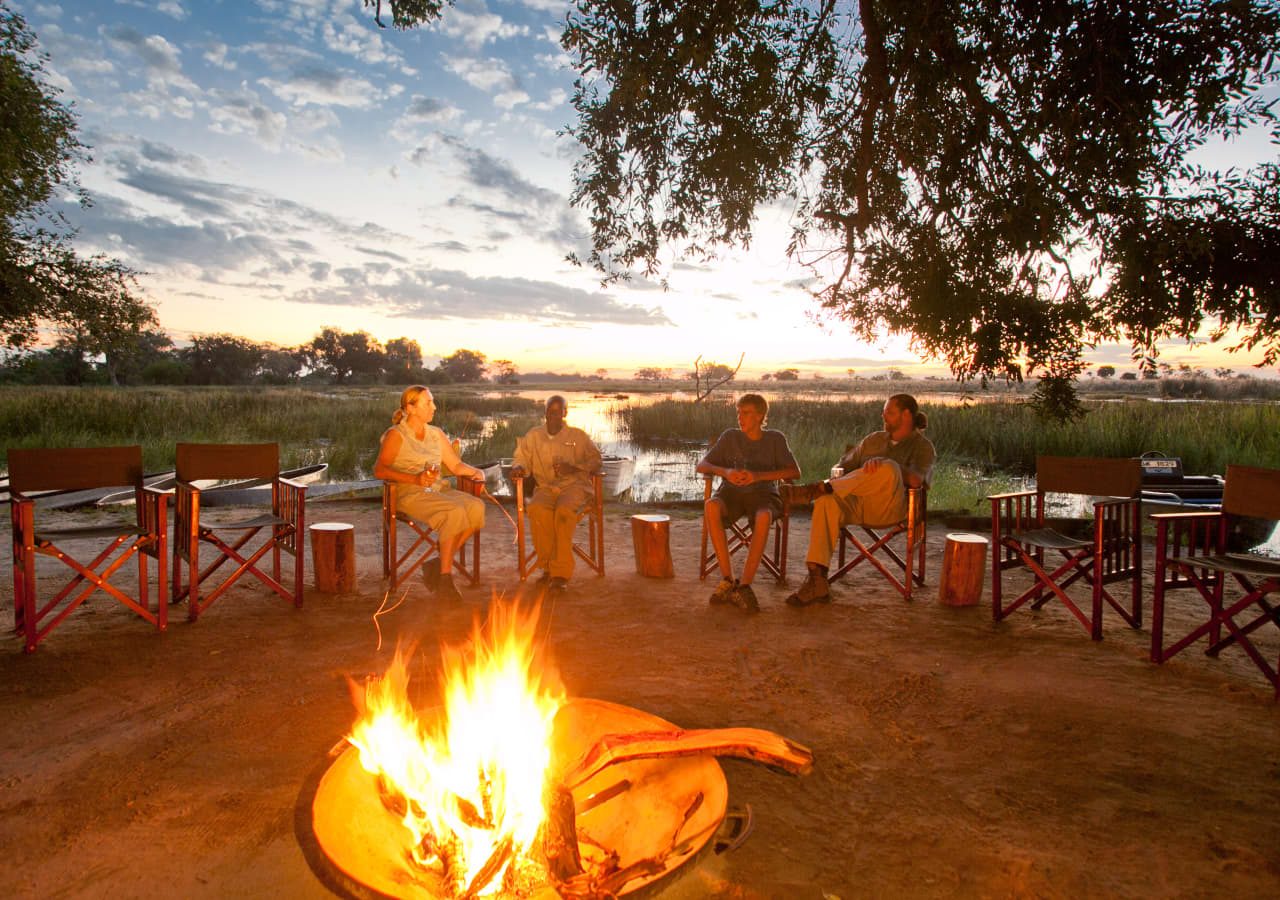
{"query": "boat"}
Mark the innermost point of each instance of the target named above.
(364, 489)
(1165, 488)
(168, 481)
(494, 471)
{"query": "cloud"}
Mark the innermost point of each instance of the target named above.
(159, 56)
(365, 44)
(488, 75)
(324, 86)
(449, 294)
(216, 55)
(243, 112)
(491, 173)
(471, 22)
(170, 8)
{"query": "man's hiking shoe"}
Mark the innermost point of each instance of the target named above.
(807, 493)
(744, 598)
(558, 585)
(431, 573)
(814, 589)
(446, 589)
(721, 594)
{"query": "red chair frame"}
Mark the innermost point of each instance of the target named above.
(425, 545)
(1192, 552)
(593, 555)
(1021, 537)
(738, 537)
(83, 469)
(285, 524)
(910, 561)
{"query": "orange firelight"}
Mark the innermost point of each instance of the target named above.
(470, 780)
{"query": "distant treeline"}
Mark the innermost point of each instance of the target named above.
(331, 357)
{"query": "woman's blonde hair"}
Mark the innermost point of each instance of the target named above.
(408, 396)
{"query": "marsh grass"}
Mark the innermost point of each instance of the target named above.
(986, 447)
(341, 428)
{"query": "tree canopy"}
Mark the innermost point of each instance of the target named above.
(1006, 183)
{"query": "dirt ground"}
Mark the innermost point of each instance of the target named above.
(954, 757)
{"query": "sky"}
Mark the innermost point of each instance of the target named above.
(275, 167)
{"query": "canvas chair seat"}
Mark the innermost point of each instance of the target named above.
(399, 566)
(1189, 554)
(592, 554)
(903, 567)
(284, 525)
(49, 535)
(1112, 553)
(83, 469)
(738, 537)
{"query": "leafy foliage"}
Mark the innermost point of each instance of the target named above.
(1004, 182)
(42, 279)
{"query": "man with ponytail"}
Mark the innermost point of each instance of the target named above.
(872, 491)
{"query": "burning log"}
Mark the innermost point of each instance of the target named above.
(755, 744)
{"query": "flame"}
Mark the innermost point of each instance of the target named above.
(472, 779)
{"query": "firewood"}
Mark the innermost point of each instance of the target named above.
(753, 744)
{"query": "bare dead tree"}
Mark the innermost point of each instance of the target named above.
(714, 374)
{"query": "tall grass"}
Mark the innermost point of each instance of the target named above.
(988, 438)
(342, 428)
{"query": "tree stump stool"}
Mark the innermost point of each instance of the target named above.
(964, 569)
(333, 557)
(651, 539)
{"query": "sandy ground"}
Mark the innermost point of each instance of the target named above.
(954, 757)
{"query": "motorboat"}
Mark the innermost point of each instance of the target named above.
(168, 481)
(1166, 488)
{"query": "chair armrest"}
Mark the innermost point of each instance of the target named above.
(1198, 514)
(1114, 501)
(1011, 495)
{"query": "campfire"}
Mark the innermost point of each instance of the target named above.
(511, 789)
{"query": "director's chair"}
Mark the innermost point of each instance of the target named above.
(1021, 537)
(284, 524)
(82, 469)
(399, 566)
(907, 560)
(592, 554)
(1192, 552)
(738, 536)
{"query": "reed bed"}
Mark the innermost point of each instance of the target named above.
(987, 447)
(341, 428)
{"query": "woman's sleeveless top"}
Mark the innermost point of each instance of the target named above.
(416, 455)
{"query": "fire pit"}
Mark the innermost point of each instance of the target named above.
(616, 801)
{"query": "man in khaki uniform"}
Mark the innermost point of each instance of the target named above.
(562, 460)
(873, 490)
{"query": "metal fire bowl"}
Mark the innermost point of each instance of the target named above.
(359, 849)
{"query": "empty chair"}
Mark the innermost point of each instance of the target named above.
(901, 544)
(1193, 551)
(1111, 552)
(282, 526)
(146, 536)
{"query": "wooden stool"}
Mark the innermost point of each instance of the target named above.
(964, 568)
(651, 538)
(333, 557)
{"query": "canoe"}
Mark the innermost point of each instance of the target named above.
(167, 482)
(87, 497)
(369, 488)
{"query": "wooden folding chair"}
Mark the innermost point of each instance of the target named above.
(738, 536)
(399, 566)
(83, 469)
(592, 554)
(1192, 552)
(284, 524)
(908, 561)
(1112, 553)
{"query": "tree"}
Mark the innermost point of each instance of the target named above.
(707, 376)
(652, 373)
(42, 279)
(1106, 371)
(787, 375)
(403, 361)
(463, 366)
(346, 355)
(507, 372)
(222, 359)
(1005, 183)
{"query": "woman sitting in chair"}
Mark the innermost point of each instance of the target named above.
(412, 452)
